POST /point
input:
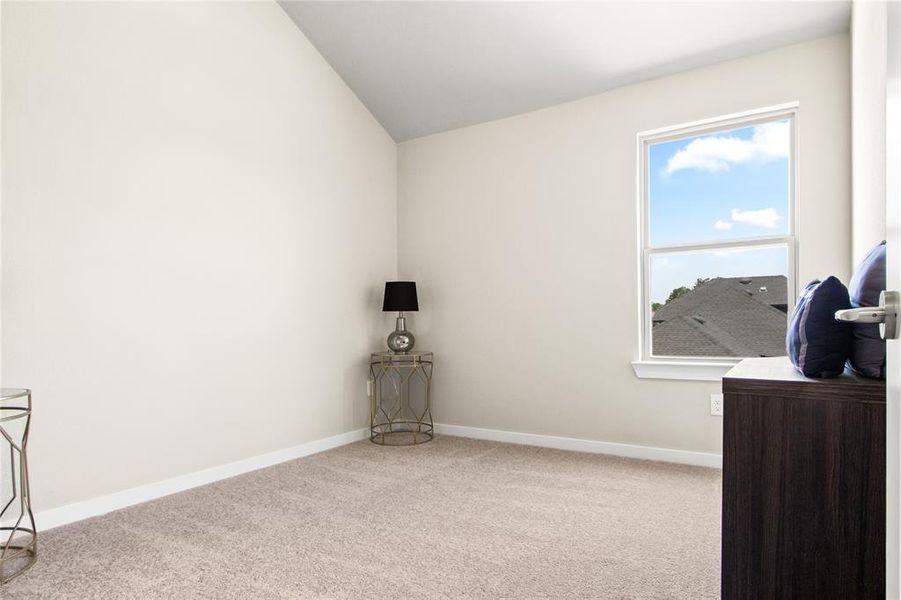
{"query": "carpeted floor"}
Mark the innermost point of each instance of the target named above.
(453, 518)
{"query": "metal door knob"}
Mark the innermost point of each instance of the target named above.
(886, 314)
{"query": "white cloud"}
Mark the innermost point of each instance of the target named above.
(723, 225)
(767, 217)
(769, 141)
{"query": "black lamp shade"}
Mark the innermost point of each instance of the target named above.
(400, 296)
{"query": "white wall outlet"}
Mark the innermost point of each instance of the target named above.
(370, 388)
(716, 405)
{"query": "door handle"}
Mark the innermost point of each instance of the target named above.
(886, 314)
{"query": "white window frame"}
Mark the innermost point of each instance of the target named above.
(702, 367)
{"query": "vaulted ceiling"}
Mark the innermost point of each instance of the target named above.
(425, 67)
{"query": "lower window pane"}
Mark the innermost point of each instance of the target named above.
(718, 303)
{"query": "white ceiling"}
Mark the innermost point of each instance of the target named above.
(425, 67)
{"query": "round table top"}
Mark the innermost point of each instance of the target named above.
(13, 393)
(414, 357)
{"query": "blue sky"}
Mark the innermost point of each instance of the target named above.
(670, 271)
(724, 186)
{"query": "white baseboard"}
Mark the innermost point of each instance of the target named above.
(70, 513)
(686, 457)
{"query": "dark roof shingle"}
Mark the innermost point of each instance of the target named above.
(736, 316)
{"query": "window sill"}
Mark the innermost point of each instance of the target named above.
(691, 371)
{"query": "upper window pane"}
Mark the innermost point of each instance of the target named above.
(720, 186)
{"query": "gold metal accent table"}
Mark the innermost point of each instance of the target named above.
(400, 398)
(18, 536)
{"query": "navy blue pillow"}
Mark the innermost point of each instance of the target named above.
(867, 348)
(817, 344)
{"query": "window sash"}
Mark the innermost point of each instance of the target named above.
(786, 242)
(646, 250)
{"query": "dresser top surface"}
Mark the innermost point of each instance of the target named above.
(754, 374)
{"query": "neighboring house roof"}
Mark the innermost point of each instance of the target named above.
(726, 316)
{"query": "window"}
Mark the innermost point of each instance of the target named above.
(717, 240)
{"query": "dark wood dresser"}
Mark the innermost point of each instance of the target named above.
(803, 484)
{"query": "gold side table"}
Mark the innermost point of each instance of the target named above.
(400, 398)
(18, 535)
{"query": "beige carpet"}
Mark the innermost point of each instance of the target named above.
(453, 518)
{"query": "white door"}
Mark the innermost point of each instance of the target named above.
(893, 357)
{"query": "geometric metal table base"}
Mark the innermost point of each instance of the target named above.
(18, 535)
(402, 433)
(400, 398)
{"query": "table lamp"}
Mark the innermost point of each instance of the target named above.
(400, 296)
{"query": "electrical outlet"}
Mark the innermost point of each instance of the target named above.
(716, 405)
(370, 388)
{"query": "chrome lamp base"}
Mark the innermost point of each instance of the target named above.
(400, 340)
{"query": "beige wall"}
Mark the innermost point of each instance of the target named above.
(197, 218)
(521, 235)
(868, 69)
